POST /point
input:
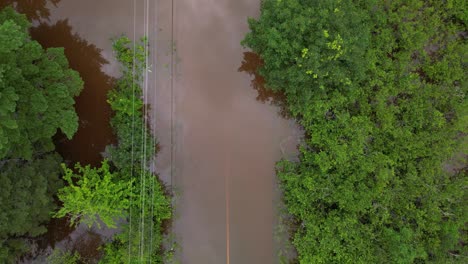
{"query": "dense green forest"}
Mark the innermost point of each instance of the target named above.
(37, 90)
(36, 99)
(380, 90)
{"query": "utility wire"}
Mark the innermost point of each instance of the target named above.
(154, 142)
(142, 157)
(145, 107)
(133, 130)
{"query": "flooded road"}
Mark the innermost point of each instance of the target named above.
(219, 136)
(224, 142)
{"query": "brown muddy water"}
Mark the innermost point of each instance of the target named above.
(219, 138)
(224, 142)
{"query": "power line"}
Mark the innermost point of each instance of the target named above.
(143, 135)
(133, 130)
(172, 111)
(145, 95)
(154, 150)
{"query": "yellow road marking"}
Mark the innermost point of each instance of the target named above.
(226, 191)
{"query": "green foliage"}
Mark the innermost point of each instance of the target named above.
(380, 89)
(309, 46)
(26, 201)
(36, 91)
(59, 256)
(92, 194)
(36, 98)
(144, 230)
(142, 234)
(126, 102)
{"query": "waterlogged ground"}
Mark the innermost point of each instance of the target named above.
(219, 135)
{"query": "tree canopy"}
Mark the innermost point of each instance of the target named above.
(26, 200)
(92, 194)
(36, 99)
(37, 89)
(380, 89)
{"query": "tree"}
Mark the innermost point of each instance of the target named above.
(310, 48)
(36, 98)
(37, 89)
(93, 194)
(380, 89)
(26, 200)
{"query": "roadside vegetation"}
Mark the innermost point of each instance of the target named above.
(142, 235)
(380, 89)
(123, 188)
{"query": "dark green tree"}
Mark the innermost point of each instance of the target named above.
(37, 89)
(36, 99)
(26, 200)
(380, 89)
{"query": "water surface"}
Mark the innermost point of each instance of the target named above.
(224, 142)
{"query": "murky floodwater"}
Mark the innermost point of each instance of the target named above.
(219, 139)
(225, 142)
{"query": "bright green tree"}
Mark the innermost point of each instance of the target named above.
(380, 89)
(92, 194)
